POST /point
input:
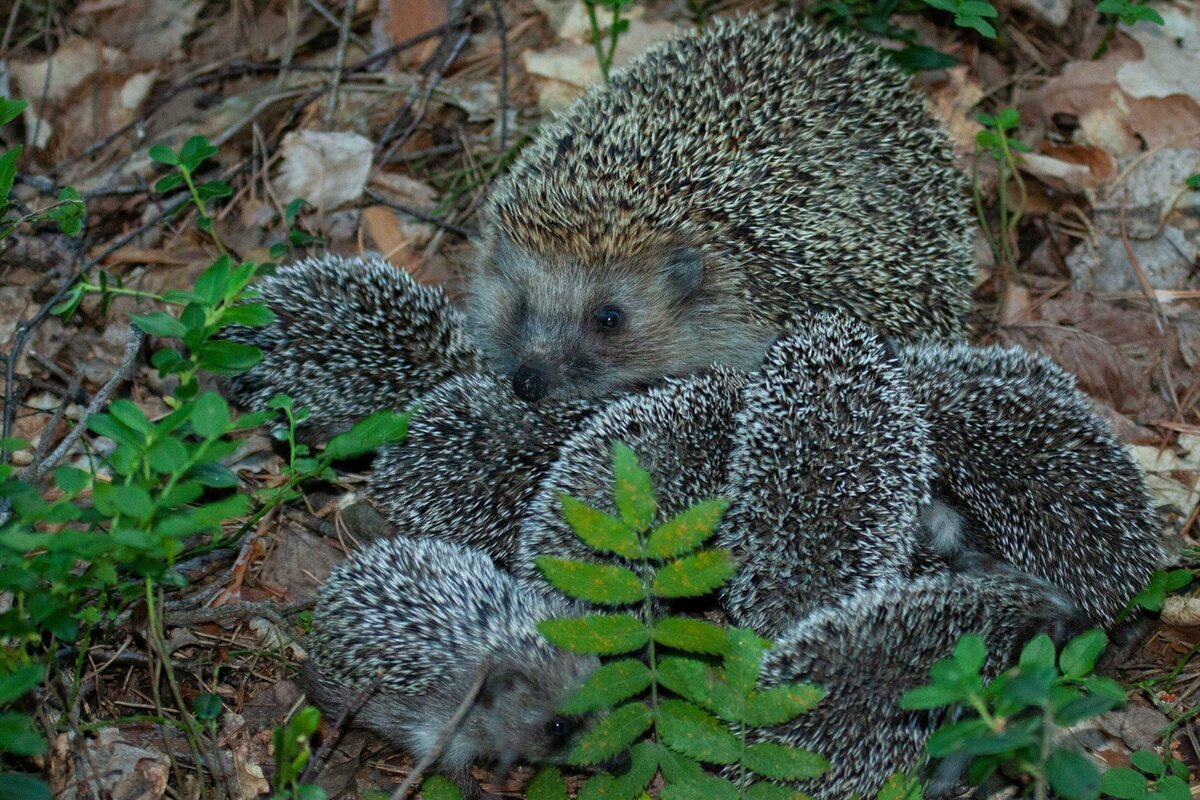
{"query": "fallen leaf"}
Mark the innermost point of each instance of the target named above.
(328, 169)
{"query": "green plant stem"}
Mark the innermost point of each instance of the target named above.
(158, 647)
(1110, 30)
(34, 216)
(613, 33)
(198, 201)
(980, 212)
(597, 37)
(92, 288)
(1039, 775)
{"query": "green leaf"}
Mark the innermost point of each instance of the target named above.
(694, 575)
(164, 155)
(128, 414)
(611, 734)
(782, 704)
(133, 500)
(929, 697)
(168, 456)
(633, 490)
(900, 786)
(17, 684)
(685, 531)
(11, 109)
(224, 357)
(970, 652)
(708, 787)
(919, 57)
(603, 634)
(609, 685)
(208, 706)
(437, 787)
(695, 733)
(743, 658)
(1080, 654)
(1148, 762)
(19, 736)
(252, 315)
(1038, 652)
(1072, 775)
(690, 635)
(643, 766)
(195, 150)
(214, 189)
(547, 784)
(160, 323)
(780, 762)
(23, 787)
(370, 433)
(1173, 787)
(600, 531)
(214, 281)
(210, 415)
(597, 583)
(71, 480)
(677, 768)
(774, 791)
(1193, 182)
(978, 24)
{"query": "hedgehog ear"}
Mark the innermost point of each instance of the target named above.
(498, 682)
(684, 271)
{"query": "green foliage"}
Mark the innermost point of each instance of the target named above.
(606, 47)
(297, 238)
(1149, 777)
(996, 143)
(1193, 182)
(1015, 717)
(67, 211)
(1162, 583)
(292, 753)
(695, 711)
(1129, 12)
(113, 530)
(969, 14)
(874, 17)
(187, 161)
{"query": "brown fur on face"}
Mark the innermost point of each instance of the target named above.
(675, 303)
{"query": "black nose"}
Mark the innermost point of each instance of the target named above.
(529, 383)
(618, 764)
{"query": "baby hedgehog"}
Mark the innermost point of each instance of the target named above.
(682, 432)
(681, 214)
(351, 336)
(1028, 474)
(471, 463)
(423, 620)
(871, 646)
(830, 468)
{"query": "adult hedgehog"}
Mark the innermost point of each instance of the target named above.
(683, 213)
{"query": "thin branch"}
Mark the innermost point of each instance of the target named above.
(423, 216)
(502, 32)
(443, 738)
(317, 762)
(339, 61)
(133, 344)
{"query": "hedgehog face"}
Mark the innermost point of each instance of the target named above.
(562, 328)
(518, 717)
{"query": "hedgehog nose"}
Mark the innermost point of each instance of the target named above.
(529, 382)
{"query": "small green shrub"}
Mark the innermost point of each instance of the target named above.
(1011, 722)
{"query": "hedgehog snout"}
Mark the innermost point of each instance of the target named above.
(530, 382)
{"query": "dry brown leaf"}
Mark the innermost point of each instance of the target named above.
(404, 19)
(954, 101)
(150, 30)
(325, 168)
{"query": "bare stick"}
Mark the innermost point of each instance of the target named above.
(423, 216)
(133, 343)
(502, 32)
(339, 60)
(443, 738)
(337, 728)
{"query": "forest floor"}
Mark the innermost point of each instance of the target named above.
(1091, 255)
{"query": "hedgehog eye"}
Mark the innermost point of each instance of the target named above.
(560, 728)
(608, 318)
